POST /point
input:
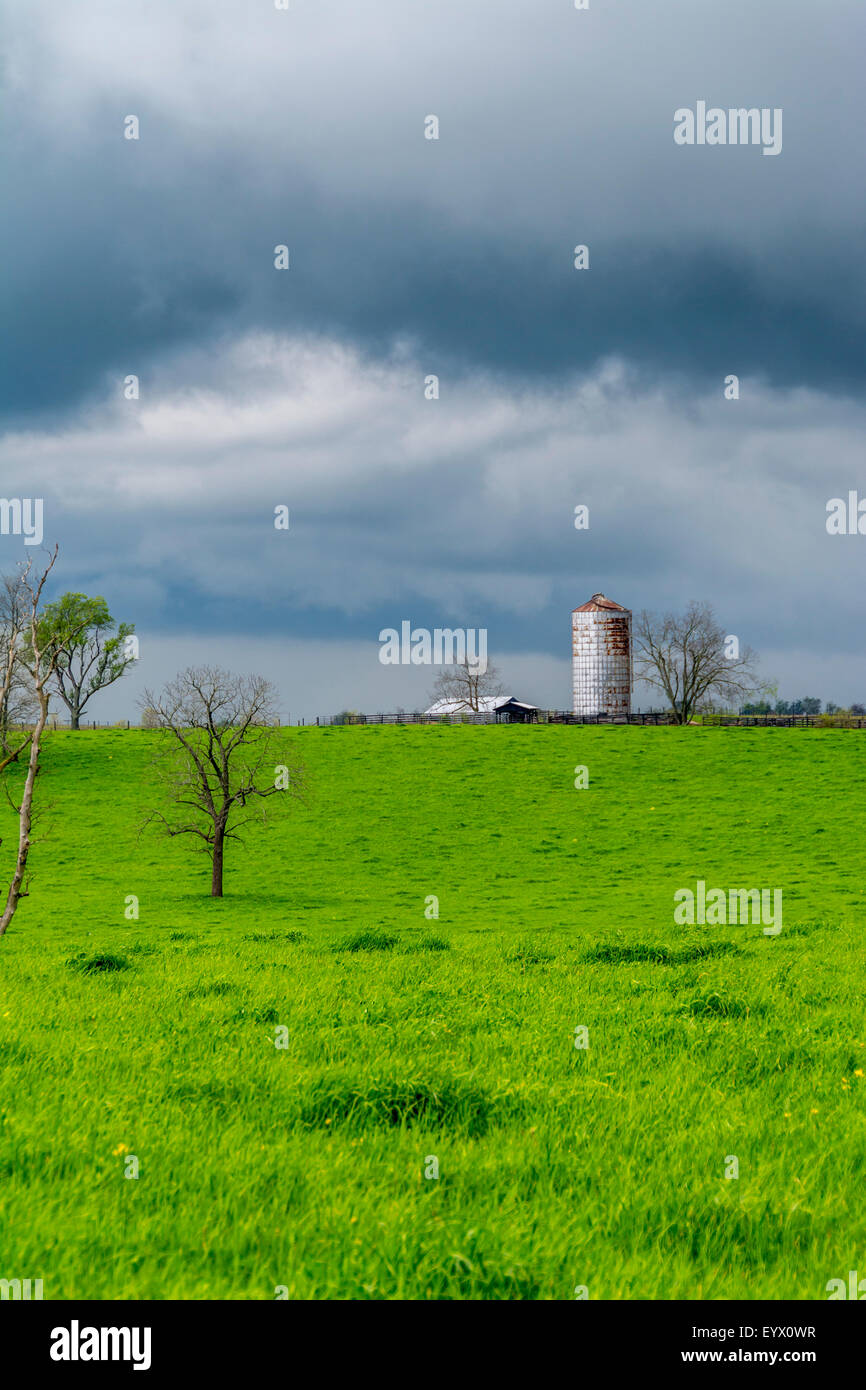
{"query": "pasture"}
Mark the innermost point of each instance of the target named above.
(411, 1038)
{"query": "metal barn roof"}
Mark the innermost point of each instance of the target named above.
(488, 704)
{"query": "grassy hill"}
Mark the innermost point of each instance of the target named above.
(411, 1039)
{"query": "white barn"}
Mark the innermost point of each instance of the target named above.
(506, 709)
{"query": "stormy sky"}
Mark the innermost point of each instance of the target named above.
(411, 257)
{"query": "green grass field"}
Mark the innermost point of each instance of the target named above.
(411, 1039)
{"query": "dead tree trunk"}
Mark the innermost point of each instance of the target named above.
(25, 818)
(42, 669)
(219, 840)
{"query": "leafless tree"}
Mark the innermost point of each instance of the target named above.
(39, 655)
(18, 704)
(466, 685)
(224, 752)
(685, 655)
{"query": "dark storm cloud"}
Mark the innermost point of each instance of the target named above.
(702, 261)
(145, 279)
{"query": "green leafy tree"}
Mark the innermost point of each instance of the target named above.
(94, 657)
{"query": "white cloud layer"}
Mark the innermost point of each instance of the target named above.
(456, 511)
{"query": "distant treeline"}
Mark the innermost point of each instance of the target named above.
(808, 705)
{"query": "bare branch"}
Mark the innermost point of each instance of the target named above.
(684, 656)
(224, 749)
(465, 686)
(42, 668)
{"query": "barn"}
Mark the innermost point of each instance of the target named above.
(504, 708)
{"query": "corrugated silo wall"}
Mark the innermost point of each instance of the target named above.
(601, 663)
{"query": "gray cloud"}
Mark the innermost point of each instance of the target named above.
(453, 257)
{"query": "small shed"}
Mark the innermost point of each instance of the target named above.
(504, 709)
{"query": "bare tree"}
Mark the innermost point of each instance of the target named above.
(39, 655)
(466, 685)
(225, 751)
(687, 656)
(18, 703)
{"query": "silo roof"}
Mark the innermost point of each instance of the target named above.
(598, 603)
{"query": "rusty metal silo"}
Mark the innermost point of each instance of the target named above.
(601, 658)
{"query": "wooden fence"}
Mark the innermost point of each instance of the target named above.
(542, 716)
(764, 721)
